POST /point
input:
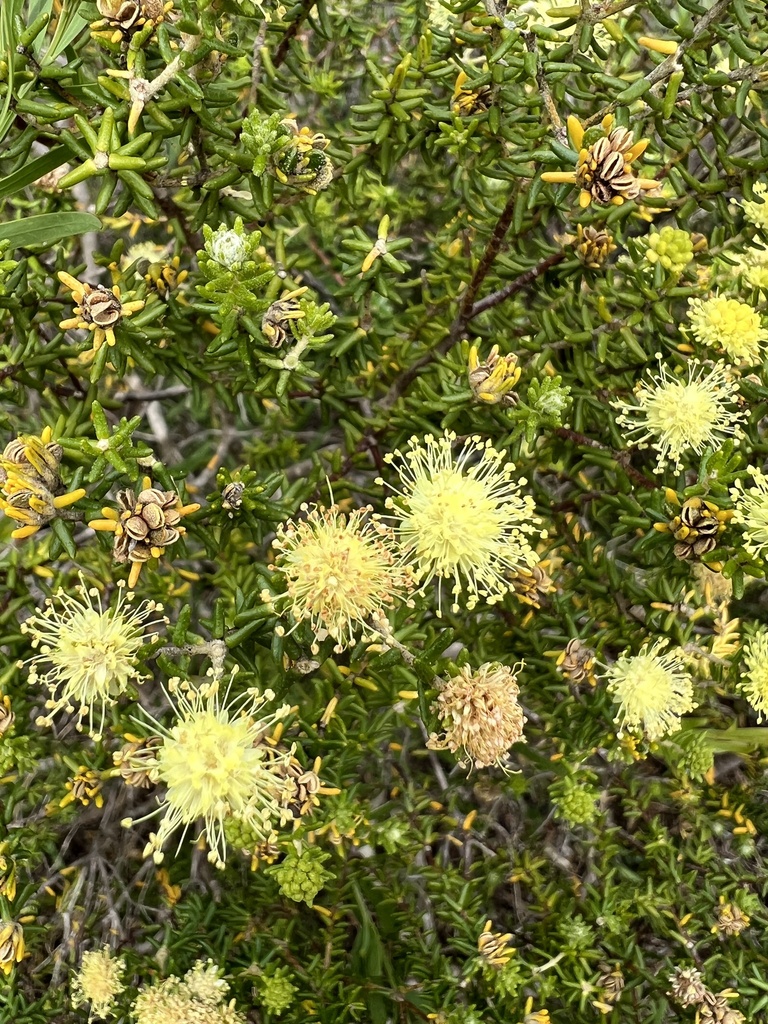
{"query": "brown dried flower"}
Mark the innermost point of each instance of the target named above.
(144, 526)
(593, 245)
(481, 714)
(688, 988)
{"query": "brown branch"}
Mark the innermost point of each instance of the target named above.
(672, 63)
(403, 381)
(293, 28)
(622, 458)
(518, 285)
(532, 46)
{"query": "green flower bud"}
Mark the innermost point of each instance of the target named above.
(276, 991)
(670, 247)
(574, 802)
(301, 876)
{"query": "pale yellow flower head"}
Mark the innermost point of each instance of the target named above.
(87, 651)
(461, 517)
(757, 213)
(652, 690)
(677, 416)
(339, 571)
(750, 511)
(728, 325)
(214, 767)
(752, 265)
(480, 714)
(98, 982)
(197, 998)
(754, 681)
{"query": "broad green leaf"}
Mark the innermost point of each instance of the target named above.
(68, 28)
(47, 228)
(25, 175)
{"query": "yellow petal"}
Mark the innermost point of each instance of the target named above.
(637, 150)
(560, 177)
(575, 132)
(667, 46)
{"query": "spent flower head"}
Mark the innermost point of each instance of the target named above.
(87, 651)
(492, 380)
(728, 324)
(339, 570)
(12, 947)
(97, 309)
(144, 525)
(214, 767)
(676, 416)
(604, 172)
(688, 988)
(98, 982)
(32, 492)
(460, 517)
(652, 690)
(754, 682)
(480, 714)
(750, 511)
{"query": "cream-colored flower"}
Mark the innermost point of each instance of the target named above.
(728, 324)
(652, 690)
(87, 652)
(750, 511)
(214, 767)
(752, 265)
(461, 517)
(197, 998)
(676, 416)
(757, 213)
(339, 570)
(480, 714)
(754, 682)
(98, 982)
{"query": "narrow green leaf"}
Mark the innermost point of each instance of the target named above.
(25, 175)
(47, 228)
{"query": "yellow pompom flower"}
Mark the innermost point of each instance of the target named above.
(215, 767)
(728, 324)
(676, 416)
(480, 714)
(87, 651)
(462, 517)
(98, 982)
(757, 213)
(652, 690)
(339, 570)
(750, 511)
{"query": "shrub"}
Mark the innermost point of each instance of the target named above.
(384, 519)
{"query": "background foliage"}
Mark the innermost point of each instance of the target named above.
(448, 195)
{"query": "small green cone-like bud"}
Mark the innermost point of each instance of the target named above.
(301, 876)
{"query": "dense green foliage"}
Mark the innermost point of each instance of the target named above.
(315, 222)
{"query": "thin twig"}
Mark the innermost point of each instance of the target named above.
(518, 285)
(258, 42)
(532, 46)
